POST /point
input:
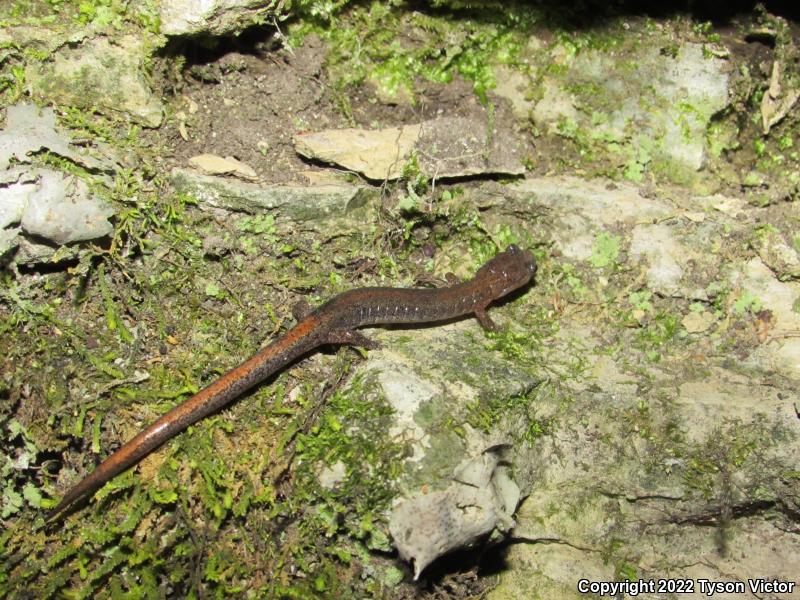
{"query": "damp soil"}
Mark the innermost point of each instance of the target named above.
(248, 103)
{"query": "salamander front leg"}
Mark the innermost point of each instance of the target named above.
(485, 320)
(351, 337)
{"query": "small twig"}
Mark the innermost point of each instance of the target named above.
(786, 334)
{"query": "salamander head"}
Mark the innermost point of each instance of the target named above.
(506, 272)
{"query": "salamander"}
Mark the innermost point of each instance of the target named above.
(334, 322)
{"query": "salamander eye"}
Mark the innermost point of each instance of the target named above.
(512, 248)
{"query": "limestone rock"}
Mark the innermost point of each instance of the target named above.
(100, 73)
(443, 147)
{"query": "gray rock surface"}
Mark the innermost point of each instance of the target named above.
(303, 203)
(661, 456)
(42, 202)
(100, 73)
(480, 499)
(442, 147)
(62, 210)
(213, 17)
(32, 129)
(650, 107)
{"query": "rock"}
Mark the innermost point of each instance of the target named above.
(8, 239)
(31, 129)
(657, 244)
(691, 79)
(676, 257)
(330, 477)
(608, 474)
(43, 40)
(464, 147)
(514, 87)
(781, 350)
(50, 205)
(775, 103)
(44, 202)
(681, 256)
(378, 155)
(16, 186)
(702, 401)
(30, 253)
(62, 210)
(698, 322)
(673, 252)
(102, 74)
(443, 147)
(470, 490)
(732, 207)
(652, 107)
(212, 17)
(580, 209)
(555, 106)
(211, 164)
(778, 255)
(482, 498)
(407, 392)
(302, 203)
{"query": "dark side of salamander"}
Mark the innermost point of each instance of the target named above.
(332, 323)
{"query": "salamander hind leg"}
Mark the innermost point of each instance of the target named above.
(350, 337)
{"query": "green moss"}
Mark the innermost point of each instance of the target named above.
(576, 42)
(746, 302)
(723, 452)
(101, 15)
(12, 84)
(641, 300)
(390, 46)
(605, 251)
(656, 336)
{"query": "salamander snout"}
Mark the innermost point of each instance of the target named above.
(520, 266)
(524, 258)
